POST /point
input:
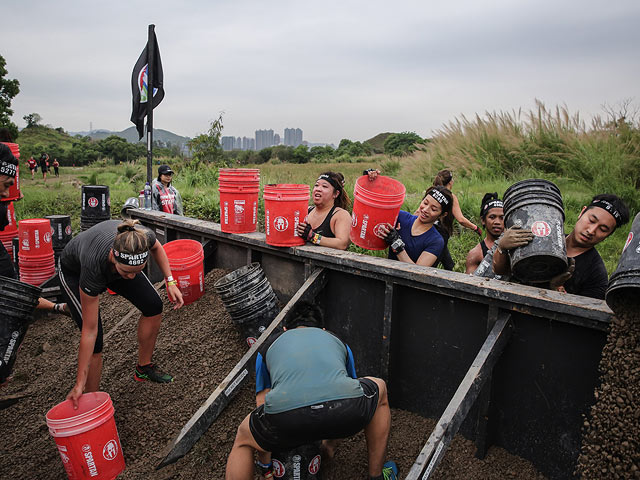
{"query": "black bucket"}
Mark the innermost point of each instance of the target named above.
(249, 299)
(96, 205)
(300, 463)
(61, 231)
(623, 292)
(536, 205)
(17, 303)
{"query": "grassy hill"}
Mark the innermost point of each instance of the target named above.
(377, 142)
(131, 135)
(39, 139)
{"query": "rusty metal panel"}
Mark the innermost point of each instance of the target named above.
(543, 384)
(354, 309)
(286, 275)
(434, 339)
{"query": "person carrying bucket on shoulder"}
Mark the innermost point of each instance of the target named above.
(586, 274)
(307, 390)
(164, 196)
(415, 238)
(328, 222)
(112, 255)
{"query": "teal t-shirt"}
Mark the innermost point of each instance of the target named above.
(307, 366)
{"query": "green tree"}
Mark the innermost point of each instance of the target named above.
(206, 148)
(265, 154)
(301, 154)
(9, 88)
(398, 144)
(120, 150)
(33, 119)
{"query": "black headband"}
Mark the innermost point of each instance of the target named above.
(439, 197)
(333, 183)
(131, 259)
(495, 203)
(608, 206)
(8, 169)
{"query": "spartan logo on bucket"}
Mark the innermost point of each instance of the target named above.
(314, 465)
(278, 468)
(67, 230)
(280, 223)
(47, 237)
(354, 219)
(251, 341)
(377, 230)
(88, 457)
(93, 202)
(540, 229)
(110, 450)
(629, 240)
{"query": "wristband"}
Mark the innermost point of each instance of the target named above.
(170, 278)
(397, 246)
(172, 282)
(316, 239)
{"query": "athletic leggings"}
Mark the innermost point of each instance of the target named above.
(138, 291)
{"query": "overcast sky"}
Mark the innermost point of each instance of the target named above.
(336, 69)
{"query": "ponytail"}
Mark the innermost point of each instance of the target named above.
(131, 240)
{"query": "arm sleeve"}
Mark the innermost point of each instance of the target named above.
(351, 364)
(263, 379)
(178, 204)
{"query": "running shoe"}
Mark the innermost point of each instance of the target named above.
(390, 471)
(152, 373)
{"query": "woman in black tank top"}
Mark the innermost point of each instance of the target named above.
(328, 223)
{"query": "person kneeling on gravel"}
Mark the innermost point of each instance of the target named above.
(307, 391)
(587, 274)
(112, 255)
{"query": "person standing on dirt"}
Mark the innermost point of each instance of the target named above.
(56, 167)
(44, 165)
(164, 196)
(33, 165)
(112, 255)
(415, 238)
(586, 274)
(492, 218)
(306, 391)
(328, 222)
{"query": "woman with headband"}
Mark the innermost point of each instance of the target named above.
(492, 218)
(415, 238)
(328, 222)
(112, 255)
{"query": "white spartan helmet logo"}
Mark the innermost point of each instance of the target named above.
(110, 450)
(280, 224)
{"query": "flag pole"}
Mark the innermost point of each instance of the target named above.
(151, 46)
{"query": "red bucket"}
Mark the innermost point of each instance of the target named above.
(14, 190)
(35, 237)
(285, 206)
(186, 259)
(239, 189)
(374, 203)
(87, 438)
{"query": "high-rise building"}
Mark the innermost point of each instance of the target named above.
(264, 139)
(227, 143)
(276, 139)
(248, 143)
(237, 144)
(292, 137)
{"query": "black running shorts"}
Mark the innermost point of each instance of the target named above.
(327, 420)
(137, 290)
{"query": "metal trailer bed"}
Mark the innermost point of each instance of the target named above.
(504, 364)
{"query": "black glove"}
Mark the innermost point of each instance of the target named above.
(308, 233)
(394, 241)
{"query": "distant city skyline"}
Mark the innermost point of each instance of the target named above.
(263, 138)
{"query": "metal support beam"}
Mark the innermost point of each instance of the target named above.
(386, 330)
(462, 401)
(228, 388)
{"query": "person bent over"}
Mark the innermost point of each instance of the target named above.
(307, 391)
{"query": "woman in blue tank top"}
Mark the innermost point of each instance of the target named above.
(415, 238)
(328, 222)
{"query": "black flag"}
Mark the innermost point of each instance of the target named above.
(139, 83)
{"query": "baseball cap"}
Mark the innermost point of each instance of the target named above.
(164, 170)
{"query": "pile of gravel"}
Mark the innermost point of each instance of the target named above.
(611, 441)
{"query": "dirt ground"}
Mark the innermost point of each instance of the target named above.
(611, 442)
(199, 346)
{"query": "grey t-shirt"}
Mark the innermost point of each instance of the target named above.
(87, 255)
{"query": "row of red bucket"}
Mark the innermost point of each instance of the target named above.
(286, 205)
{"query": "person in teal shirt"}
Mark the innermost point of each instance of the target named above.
(307, 390)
